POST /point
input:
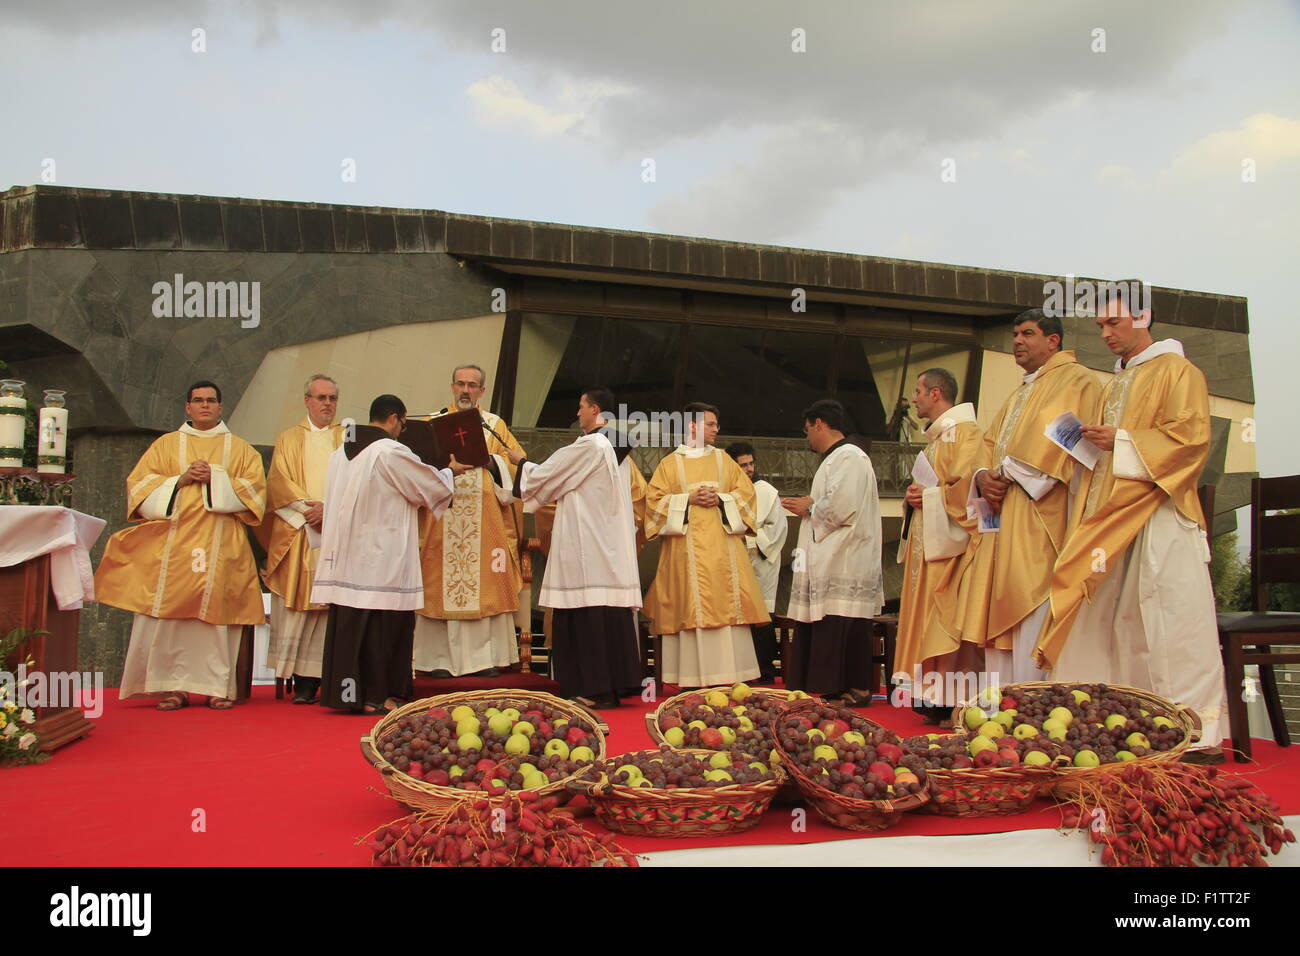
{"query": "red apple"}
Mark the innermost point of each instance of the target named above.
(1009, 703)
(575, 736)
(415, 769)
(439, 777)
(890, 752)
(848, 769)
(882, 770)
(711, 739)
(961, 762)
(545, 729)
(1006, 743)
(986, 758)
(485, 765)
(692, 700)
(1008, 757)
(670, 720)
(438, 713)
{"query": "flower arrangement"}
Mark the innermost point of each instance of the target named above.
(18, 741)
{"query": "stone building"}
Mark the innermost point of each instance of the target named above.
(96, 298)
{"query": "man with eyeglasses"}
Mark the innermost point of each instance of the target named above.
(470, 557)
(296, 492)
(185, 568)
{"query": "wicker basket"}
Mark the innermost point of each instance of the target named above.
(849, 813)
(679, 812)
(988, 791)
(419, 794)
(1067, 777)
(652, 719)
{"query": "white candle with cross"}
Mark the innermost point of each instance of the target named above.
(52, 435)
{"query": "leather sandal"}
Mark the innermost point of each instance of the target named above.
(220, 703)
(174, 702)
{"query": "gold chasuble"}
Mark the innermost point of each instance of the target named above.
(1007, 574)
(186, 561)
(956, 445)
(470, 556)
(1163, 404)
(298, 469)
(705, 579)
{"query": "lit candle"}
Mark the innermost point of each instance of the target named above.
(13, 423)
(52, 435)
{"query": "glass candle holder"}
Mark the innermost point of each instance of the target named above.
(13, 423)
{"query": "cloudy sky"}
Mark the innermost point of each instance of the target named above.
(1068, 158)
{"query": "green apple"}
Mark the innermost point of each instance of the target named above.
(1124, 756)
(974, 717)
(992, 729)
(524, 727)
(1006, 718)
(1145, 713)
(556, 748)
(491, 712)
(513, 714)
(1080, 696)
(580, 754)
(644, 784)
(728, 736)
(991, 695)
(698, 725)
(518, 744)
(675, 737)
(1024, 731)
(1115, 721)
(1062, 714)
(1086, 758)
(799, 695)
(1053, 724)
(741, 692)
(1137, 740)
(716, 698)
(1163, 722)
(559, 722)
(460, 713)
(739, 709)
(773, 758)
(467, 725)
(706, 708)
(934, 747)
(720, 761)
(931, 736)
(979, 743)
(745, 724)
(853, 737)
(535, 781)
(718, 775)
(469, 742)
(455, 770)
(1036, 758)
(814, 735)
(500, 724)
(633, 772)
(760, 767)
(825, 752)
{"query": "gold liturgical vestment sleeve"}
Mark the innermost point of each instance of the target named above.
(194, 564)
(1164, 405)
(919, 639)
(704, 578)
(290, 560)
(1007, 574)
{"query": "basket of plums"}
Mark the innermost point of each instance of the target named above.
(1098, 727)
(481, 744)
(848, 769)
(679, 793)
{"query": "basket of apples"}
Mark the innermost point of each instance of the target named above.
(679, 793)
(481, 744)
(850, 770)
(988, 773)
(1098, 727)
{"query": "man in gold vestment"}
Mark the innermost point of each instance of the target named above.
(938, 532)
(470, 558)
(998, 599)
(1131, 599)
(186, 568)
(704, 596)
(296, 493)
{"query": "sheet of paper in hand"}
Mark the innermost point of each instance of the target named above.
(923, 472)
(989, 521)
(1066, 431)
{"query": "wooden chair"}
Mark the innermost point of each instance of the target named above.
(884, 636)
(1274, 559)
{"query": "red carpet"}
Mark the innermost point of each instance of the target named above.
(278, 784)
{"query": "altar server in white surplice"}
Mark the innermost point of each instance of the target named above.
(591, 581)
(838, 584)
(764, 547)
(369, 569)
